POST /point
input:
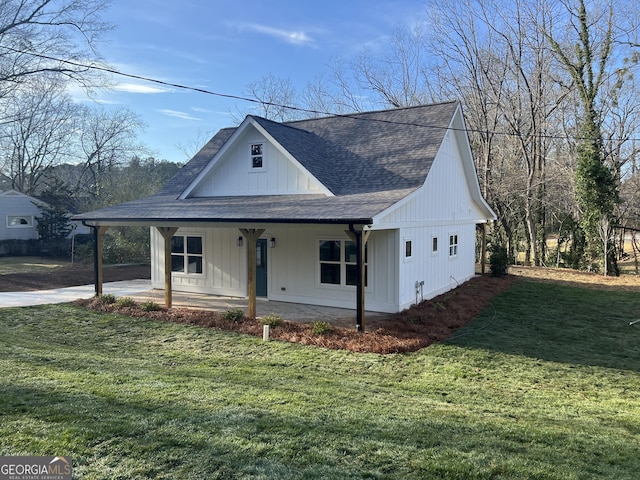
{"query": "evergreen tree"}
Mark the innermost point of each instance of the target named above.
(53, 223)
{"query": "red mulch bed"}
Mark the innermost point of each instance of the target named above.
(418, 327)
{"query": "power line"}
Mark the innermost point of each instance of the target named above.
(354, 116)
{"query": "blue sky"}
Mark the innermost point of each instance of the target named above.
(222, 45)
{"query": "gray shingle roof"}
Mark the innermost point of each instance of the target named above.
(369, 161)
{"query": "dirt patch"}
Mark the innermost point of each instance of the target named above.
(69, 276)
(431, 321)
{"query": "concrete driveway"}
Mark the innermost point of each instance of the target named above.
(125, 288)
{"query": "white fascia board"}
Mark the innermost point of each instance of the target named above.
(214, 160)
(459, 128)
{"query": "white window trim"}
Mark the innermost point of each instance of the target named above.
(404, 249)
(455, 245)
(29, 219)
(264, 156)
(437, 250)
(186, 273)
(343, 266)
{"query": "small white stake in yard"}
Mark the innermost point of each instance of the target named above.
(265, 333)
(634, 322)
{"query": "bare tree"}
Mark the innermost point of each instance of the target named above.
(396, 79)
(273, 95)
(192, 145)
(107, 139)
(332, 95)
(36, 34)
(40, 135)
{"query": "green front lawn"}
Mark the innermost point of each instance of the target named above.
(543, 385)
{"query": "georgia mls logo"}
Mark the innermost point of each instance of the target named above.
(35, 468)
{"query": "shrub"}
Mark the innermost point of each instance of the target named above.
(107, 299)
(150, 306)
(273, 320)
(234, 315)
(84, 252)
(130, 245)
(18, 248)
(321, 328)
(125, 302)
(498, 260)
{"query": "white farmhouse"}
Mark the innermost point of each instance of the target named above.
(376, 208)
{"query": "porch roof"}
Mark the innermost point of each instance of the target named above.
(345, 209)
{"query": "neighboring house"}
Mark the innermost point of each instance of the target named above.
(18, 213)
(388, 200)
(17, 216)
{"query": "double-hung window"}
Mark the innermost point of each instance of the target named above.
(186, 254)
(338, 264)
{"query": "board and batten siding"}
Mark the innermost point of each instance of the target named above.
(439, 270)
(442, 207)
(232, 174)
(293, 270)
(224, 263)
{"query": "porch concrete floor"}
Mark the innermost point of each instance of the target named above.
(342, 317)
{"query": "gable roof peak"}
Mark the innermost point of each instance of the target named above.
(365, 152)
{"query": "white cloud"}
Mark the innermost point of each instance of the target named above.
(289, 36)
(178, 114)
(139, 88)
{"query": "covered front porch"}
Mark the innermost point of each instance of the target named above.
(221, 244)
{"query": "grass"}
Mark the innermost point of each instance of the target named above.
(542, 385)
(10, 265)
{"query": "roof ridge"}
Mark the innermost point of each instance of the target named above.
(368, 112)
(282, 124)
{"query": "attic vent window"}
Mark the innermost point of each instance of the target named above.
(256, 155)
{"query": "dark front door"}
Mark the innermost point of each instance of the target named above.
(261, 267)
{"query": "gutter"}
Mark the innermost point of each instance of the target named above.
(155, 221)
